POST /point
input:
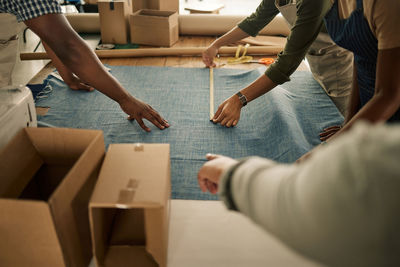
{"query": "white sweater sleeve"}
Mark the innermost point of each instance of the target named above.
(341, 207)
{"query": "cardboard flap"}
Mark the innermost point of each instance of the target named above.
(57, 145)
(154, 18)
(19, 162)
(133, 175)
(172, 5)
(69, 202)
(156, 225)
(28, 236)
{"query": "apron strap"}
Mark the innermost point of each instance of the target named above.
(360, 4)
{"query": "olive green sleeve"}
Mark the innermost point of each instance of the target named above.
(264, 14)
(310, 14)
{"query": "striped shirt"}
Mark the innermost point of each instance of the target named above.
(29, 9)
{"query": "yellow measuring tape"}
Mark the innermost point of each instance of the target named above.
(240, 59)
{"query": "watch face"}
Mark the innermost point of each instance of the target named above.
(242, 99)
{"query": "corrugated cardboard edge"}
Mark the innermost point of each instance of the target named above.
(77, 252)
(146, 17)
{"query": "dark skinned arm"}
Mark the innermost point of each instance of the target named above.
(69, 78)
(386, 99)
(74, 53)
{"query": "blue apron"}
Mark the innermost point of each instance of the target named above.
(355, 35)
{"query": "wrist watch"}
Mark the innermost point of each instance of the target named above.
(242, 98)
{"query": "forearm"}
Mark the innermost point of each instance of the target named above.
(76, 55)
(61, 68)
(259, 87)
(82, 61)
(379, 108)
(386, 99)
(234, 35)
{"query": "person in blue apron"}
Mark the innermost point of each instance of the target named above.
(330, 64)
(70, 54)
(367, 28)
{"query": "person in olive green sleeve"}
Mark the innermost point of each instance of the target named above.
(330, 64)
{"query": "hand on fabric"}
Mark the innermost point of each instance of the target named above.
(137, 110)
(210, 173)
(228, 113)
(208, 56)
(329, 132)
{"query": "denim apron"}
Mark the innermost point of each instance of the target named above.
(355, 35)
(331, 65)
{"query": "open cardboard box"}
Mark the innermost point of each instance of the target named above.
(46, 180)
(154, 27)
(114, 21)
(165, 5)
(129, 208)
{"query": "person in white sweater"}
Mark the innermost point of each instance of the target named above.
(341, 211)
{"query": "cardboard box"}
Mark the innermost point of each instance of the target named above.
(114, 21)
(154, 27)
(165, 5)
(129, 208)
(46, 179)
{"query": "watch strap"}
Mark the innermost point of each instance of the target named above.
(242, 98)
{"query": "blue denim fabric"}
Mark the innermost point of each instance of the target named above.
(282, 125)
